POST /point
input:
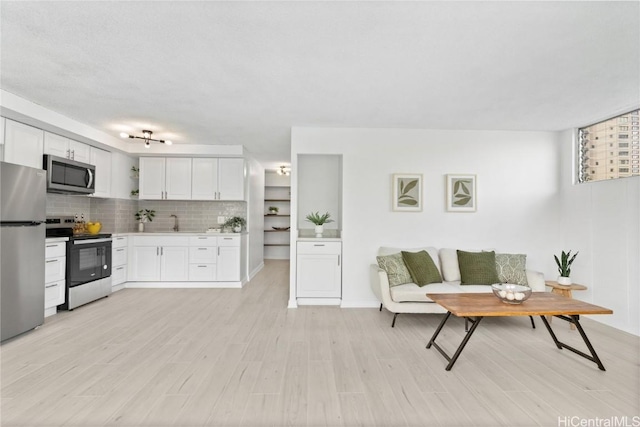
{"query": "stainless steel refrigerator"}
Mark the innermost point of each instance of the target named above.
(22, 234)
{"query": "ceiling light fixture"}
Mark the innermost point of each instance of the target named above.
(146, 136)
(283, 171)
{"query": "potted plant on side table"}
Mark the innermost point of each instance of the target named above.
(144, 215)
(564, 267)
(319, 221)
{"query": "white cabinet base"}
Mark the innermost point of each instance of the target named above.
(184, 285)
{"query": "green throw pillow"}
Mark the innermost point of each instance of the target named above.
(396, 270)
(421, 267)
(478, 268)
(512, 268)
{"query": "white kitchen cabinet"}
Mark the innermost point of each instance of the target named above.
(119, 260)
(101, 159)
(319, 271)
(67, 148)
(160, 259)
(229, 258)
(218, 179)
(123, 181)
(165, 178)
(24, 145)
(54, 276)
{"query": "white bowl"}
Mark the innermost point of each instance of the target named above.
(510, 293)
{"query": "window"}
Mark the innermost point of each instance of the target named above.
(622, 133)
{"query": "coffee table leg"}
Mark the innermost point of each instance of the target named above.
(463, 343)
(575, 320)
(435, 334)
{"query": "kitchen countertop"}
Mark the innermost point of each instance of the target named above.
(173, 233)
(56, 239)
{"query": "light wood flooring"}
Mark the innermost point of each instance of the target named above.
(229, 357)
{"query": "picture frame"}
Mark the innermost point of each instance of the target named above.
(461, 193)
(407, 192)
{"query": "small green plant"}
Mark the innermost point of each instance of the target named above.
(235, 221)
(318, 219)
(134, 193)
(145, 215)
(135, 169)
(273, 209)
(564, 263)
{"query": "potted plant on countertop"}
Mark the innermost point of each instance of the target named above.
(564, 267)
(144, 215)
(273, 210)
(235, 223)
(319, 221)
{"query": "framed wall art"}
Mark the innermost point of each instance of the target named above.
(407, 192)
(461, 193)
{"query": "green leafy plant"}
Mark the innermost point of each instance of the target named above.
(318, 219)
(404, 198)
(461, 192)
(134, 193)
(274, 209)
(145, 215)
(235, 221)
(564, 263)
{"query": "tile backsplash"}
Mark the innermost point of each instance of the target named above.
(118, 215)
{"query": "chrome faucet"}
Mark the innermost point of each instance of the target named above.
(175, 225)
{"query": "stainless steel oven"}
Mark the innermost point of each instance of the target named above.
(88, 259)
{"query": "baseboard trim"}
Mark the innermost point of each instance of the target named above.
(256, 271)
(319, 301)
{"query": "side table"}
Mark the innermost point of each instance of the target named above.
(564, 290)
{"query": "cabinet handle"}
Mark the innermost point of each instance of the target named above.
(161, 251)
(318, 245)
(202, 266)
(51, 260)
(157, 250)
(202, 238)
(51, 286)
(227, 238)
(119, 238)
(202, 249)
(51, 246)
(119, 250)
(119, 268)
(338, 260)
(218, 250)
(68, 154)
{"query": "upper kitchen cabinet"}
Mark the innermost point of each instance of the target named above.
(24, 145)
(218, 179)
(165, 178)
(60, 146)
(101, 159)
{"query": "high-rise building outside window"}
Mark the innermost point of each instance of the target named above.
(606, 143)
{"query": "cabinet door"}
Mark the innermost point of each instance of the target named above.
(204, 185)
(178, 179)
(319, 276)
(24, 145)
(231, 179)
(56, 145)
(174, 264)
(80, 152)
(228, 266)
(101, 159)
(145, 265)
(152, 178)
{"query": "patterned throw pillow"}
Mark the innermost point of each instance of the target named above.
(477, 268)
(421, 267)
(396, 269)
(512, 268)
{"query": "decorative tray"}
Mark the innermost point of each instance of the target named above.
(281, 228)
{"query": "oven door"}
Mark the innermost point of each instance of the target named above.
(88, 260)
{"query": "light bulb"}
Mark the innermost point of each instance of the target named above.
(147, 145)
(168, 142)
(124, 135)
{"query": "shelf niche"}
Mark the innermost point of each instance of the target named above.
(277, 192)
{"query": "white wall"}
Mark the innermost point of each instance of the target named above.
(255, 216)
(602, 221)
(319, 189)
(518, 201)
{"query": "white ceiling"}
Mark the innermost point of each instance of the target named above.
(245, 72)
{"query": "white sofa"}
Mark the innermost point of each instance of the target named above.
(411, 298)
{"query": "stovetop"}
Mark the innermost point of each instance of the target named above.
(63, 227)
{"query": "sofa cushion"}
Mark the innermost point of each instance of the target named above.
(421, 268)
(477, 268)
(511, 268)
(396, 269)
(433, 253)
(411, 292)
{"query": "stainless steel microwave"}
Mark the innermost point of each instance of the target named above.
(67, 176)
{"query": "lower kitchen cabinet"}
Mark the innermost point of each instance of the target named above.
(319, 270)
(119, 260)
(54, 275)
(195, 258)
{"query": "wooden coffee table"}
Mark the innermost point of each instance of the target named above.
(476, 306)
